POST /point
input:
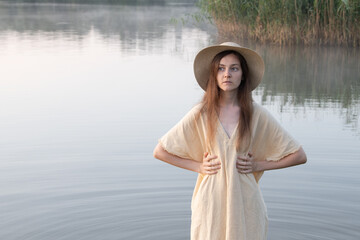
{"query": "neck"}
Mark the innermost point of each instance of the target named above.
(228, 99)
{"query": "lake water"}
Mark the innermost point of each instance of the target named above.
(86, 91)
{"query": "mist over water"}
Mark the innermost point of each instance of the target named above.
(86, 91)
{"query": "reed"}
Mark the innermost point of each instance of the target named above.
(286, 22)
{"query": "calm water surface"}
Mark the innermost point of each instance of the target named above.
(86, 91)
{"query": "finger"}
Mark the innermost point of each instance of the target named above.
(244, 168)
(211, 167)
(243, 158)
(211, 157)
(206, 154)
(243, 163)
(245, 171)
(211, 172)
(209, 161)
(250, 154)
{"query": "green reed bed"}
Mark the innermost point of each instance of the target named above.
(324, 22)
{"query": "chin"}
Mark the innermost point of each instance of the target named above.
(228, 89)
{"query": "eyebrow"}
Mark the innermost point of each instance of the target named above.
(234, 64)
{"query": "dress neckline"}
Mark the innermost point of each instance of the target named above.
(223, 130)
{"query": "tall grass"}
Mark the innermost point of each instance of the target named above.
(324, 22)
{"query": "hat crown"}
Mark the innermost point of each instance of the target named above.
(230, 44)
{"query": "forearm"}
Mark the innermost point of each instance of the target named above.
(188, 164)
(299, 157)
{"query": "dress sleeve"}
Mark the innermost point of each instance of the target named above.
(185, 139)
(273, 140)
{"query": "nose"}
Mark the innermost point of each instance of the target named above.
(227, 74)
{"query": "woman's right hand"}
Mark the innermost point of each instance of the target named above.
(208, 166)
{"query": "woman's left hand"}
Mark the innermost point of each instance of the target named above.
(246, 164)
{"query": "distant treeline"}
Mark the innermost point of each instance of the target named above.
(324, 22)
(129, 2)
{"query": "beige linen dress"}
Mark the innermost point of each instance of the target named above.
(228, 205)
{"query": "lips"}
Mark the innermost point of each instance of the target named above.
(227, 82)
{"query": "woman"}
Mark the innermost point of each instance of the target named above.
(229, 140)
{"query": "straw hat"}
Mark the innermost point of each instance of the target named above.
(203, 60)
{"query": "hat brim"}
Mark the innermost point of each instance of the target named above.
(203, 59)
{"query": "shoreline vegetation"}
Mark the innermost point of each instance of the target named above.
(287, 22)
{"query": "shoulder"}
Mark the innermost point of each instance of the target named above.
(259, 110)
(197, 108)
(261, 115)
(194, 113)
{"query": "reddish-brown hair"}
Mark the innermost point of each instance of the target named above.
(211, 98)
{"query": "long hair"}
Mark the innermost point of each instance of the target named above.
(210, 101)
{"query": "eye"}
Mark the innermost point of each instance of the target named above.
(221, 69)
(235, 69)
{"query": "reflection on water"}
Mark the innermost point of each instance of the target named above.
(320, 74)
(87, 90)
(320, 77)
(132, 27)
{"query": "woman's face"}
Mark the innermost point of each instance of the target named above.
(229, 73)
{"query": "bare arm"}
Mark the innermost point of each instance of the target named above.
(205, 167)
(248, 165)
